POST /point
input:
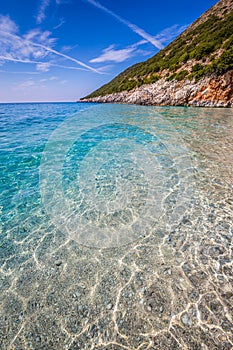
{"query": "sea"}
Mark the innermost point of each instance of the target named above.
(116, 227)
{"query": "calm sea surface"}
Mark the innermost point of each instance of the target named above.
(116, 227)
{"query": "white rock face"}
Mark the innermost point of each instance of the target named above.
(207, 92)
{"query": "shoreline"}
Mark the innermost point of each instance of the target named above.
(214, 91)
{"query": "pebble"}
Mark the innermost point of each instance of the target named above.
(58, 262)
(93, 330)
(109, 306)
(186, 320)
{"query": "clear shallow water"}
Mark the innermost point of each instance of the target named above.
(116, 227)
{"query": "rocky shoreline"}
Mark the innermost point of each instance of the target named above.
(207, 92)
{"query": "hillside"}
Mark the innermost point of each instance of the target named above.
(202, 53)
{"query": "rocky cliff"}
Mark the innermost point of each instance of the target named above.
(196, 69)
(207, 92)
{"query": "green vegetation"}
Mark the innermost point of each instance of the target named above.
(209, 44)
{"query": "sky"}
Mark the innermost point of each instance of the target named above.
(61, 50)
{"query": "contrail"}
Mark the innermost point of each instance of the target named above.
(67, 57)
(11, 59)
(14, 72)
(48, 49)
(131, 26)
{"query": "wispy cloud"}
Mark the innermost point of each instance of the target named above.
(41, 65)
(141, 32)
(68, 48)
(30, 85)
(26, 84)
(170, 33)
(166, 35)
(61, 22)
(49, 79)
(34, 47)
(111, 54)
(17, 72)
(69, 58)
(41, 14)
(34, 83)
(7, 25)
(120, 55)
(44, 4)
(59, 2)
(17, 60)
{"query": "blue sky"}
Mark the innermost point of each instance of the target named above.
(60, 50)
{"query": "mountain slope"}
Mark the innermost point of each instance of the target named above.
(204, 51)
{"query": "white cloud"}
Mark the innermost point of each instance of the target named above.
(41, 14)
(43, 67)
(22, 48)
(39, 36)
(26, 84)
(7, 25)
(141, 32)
(110, 54)
(33, 47)
(170, 33)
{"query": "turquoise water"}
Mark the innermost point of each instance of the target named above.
(116, 227)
